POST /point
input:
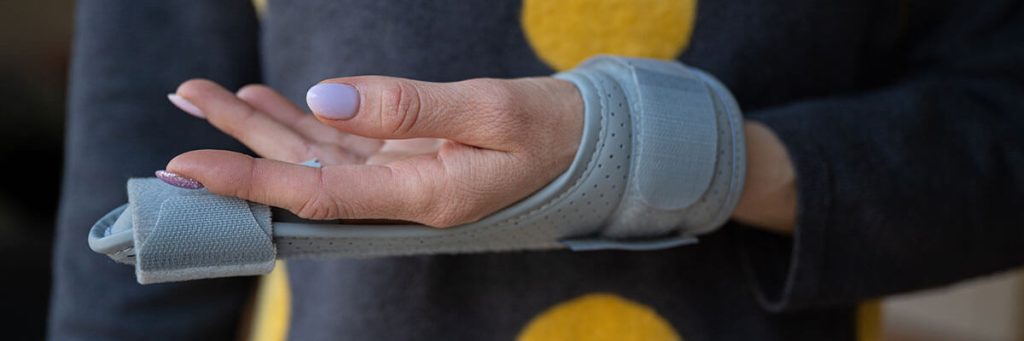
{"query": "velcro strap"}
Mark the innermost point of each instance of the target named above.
(184, 234)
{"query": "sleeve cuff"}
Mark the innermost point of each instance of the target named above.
(785, 271)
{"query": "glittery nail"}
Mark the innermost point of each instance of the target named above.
(174, 179)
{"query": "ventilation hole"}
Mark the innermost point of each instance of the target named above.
(623, 124)
(612, 156)
(330, 243)
(620, 146)
(613, 134)
(289, 243)
(599, 165)
(613, 114)
(595, 185)
(585, 194)
(607, 176)
(618, 167)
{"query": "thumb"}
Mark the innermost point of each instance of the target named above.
(471, 112)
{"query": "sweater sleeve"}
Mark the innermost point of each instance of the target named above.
(127, 56)
(913, 184)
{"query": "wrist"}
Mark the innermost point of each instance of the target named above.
(769, 198)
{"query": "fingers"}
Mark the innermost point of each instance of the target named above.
(419, 189)
(334, 192)
(473, 112)
(233, 116)
(267, 100)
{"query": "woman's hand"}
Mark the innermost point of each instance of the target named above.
(441, 154)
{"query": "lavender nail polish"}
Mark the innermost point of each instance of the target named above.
(185, 105)
(333, 101)
(176, 180)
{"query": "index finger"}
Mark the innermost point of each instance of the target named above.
(333, 192)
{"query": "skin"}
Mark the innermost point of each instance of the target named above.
(440, 154)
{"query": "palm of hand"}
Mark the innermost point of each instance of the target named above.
(454, 155)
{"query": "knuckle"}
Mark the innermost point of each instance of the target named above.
(400, 107)
(498, 96)
(313, 208)
(499, 107)
(320, 205)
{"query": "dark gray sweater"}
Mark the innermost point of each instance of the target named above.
(905, 120)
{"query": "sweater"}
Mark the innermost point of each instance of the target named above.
(903, 120)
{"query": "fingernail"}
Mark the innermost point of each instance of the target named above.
(185, 105)
(333, 101)
(176, 180)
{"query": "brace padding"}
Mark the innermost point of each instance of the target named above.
(688, 159)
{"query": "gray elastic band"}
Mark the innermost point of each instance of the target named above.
(175, 234)
(660, 161)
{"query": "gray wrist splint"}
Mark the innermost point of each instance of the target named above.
(661, 160)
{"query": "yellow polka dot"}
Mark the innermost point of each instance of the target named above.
(273, 306)
(599, 316)
(566, 32)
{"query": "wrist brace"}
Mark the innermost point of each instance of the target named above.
(661, 160)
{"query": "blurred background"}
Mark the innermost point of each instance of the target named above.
(34, 48)
(34, 42)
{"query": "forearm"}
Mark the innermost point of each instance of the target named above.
(769, 194)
